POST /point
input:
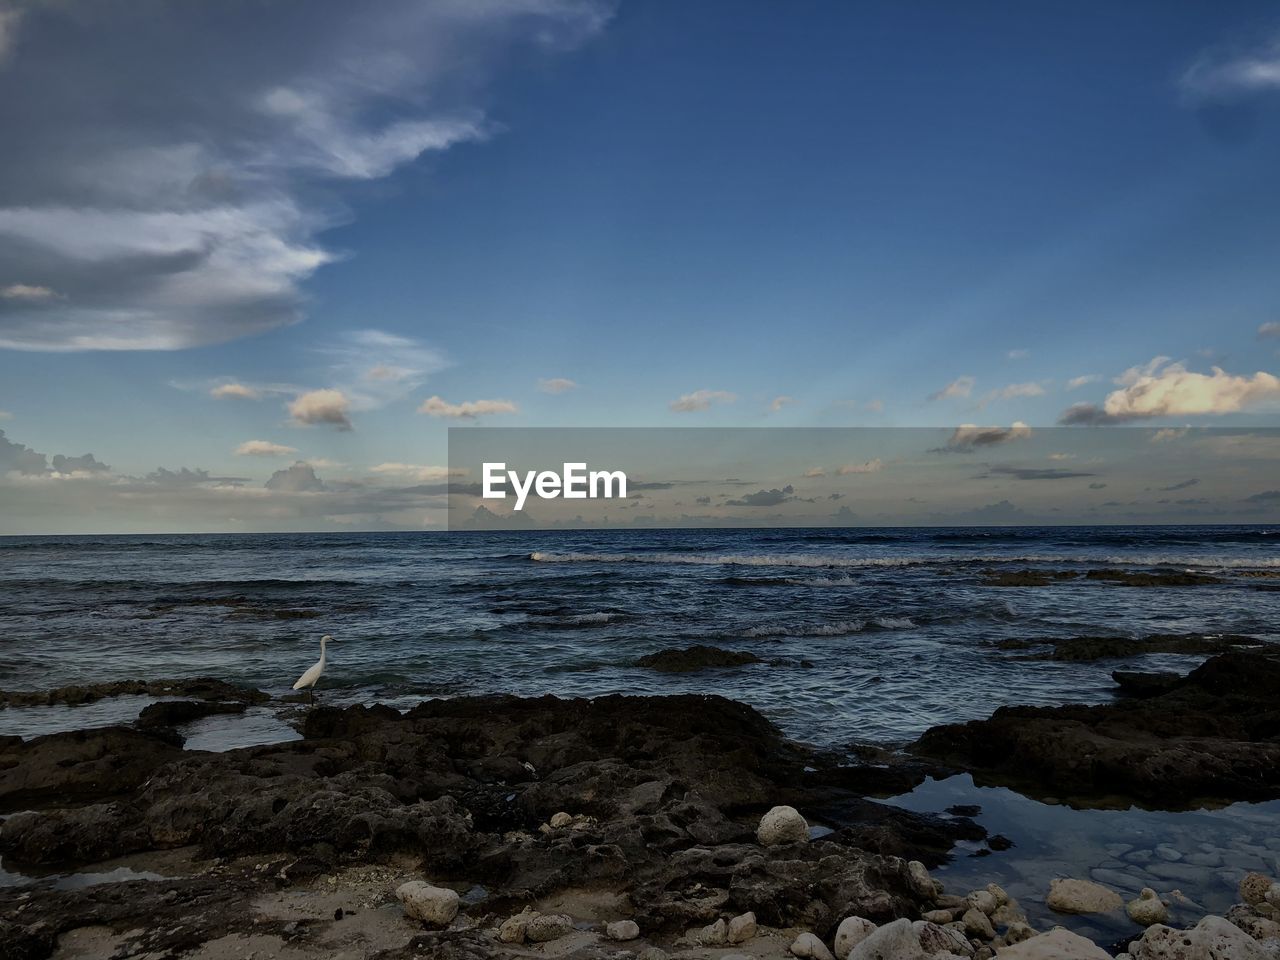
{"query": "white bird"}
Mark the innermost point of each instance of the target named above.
(312, 676)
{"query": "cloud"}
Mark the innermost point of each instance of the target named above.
(467, 410)
(299, 478)
(23, 460)
(1182, 485)
(1076, 383)
(960, 387)
(701, 400)
(764, 498)
(814, 472)
(240, 390)
(969, 436)
(5, 415)
(1271, 329)
(1164, 389)
(23, 291)
(1167, 435)
(264, 448)
(1227, 74)
(556, 385)
(374, 367)
(1020, 353)
(777, 403)
(86, 463)
(1097, 485)
(1018, 390)
(1035, 473)
(1266, 496)
(416, 473)
(183, 477)
(322, 407)
(183, 202)
(1062, 456)
(870, 466)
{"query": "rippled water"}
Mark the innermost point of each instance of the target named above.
(870, 634)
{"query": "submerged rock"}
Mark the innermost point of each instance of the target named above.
(1147, 909)
(698, 657)
(198, 688)
(1081, 896)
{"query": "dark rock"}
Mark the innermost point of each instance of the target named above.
(172, 713)
(198, 688)
(1154, 578)
(696, 658)
(1027, 578)
(1082, 649)
(81, 765)
(1134, 683)
(1214, 737)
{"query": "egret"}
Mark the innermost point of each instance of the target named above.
(312, 676)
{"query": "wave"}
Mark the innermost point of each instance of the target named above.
(820, 561)
(839, 628)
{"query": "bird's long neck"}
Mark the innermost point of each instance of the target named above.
(323, 644)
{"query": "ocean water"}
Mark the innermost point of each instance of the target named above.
(871, 634)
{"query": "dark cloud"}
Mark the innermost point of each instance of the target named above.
(183, 477)
(1035, 473)
(299, 478)
(968, 437)
(87, 463)
(1266, 496)
(20, 458)
(764, 498)
(1097, 486)
(1182, 485)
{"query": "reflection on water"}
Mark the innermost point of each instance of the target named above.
(28, 722)
(230, 731)
(1193, 859)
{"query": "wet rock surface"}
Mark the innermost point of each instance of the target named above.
(1084, 649)
(1213, 737)
(196, 688)
(698, 657)
(658, 798)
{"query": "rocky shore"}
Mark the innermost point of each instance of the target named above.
(590, 828)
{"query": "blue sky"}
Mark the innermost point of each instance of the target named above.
(810, 214)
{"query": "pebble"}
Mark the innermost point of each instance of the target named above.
(741, 928)
(1081, 896)
(853, 930)
(712, 934)
(782, 825)
(1148, 909)
(808, 945)
(548, 926)
(435, 905)
(622, 930)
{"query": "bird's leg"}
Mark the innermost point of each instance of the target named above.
(311, 696)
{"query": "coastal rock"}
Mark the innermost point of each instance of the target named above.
(938, 916)
(1254, 888)
(1081, 896)
(1134, 683)
(172, 713)
(921, 882)
(81, 765)
(808, 945)
(982, 900)
(741, 928)
(1273, 894)
(1018, 931)
(1057, 944)
(851, 932)
(934, 939)
(893, 941)
(713, 934)
(1208, 737)
(512, 929)
(560, 819)
(434, 905)
(197, 688)
(622, 930)
(699, 657)
(978, 924)
(548, 926)
(782, 825)
(1147, 909)
(1213, 938)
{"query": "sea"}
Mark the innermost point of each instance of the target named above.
(865, 636)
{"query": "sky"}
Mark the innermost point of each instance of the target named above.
(257, 258)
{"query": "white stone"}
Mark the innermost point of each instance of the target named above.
(1057, 944)
(893, 941)
(548, 926)
(808, 945)
(1213, 938)
(741, 928)
(560, 819)
(513, 928)
(921, 882)
(1147, 909)
(422, 901)
(622, 930)
(713, 934)
(782, 825)
(851, 932)
(1082, 896)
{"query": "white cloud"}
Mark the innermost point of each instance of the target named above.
(1164, 389)
(1062, 456)
(374, 367)
(1167, 435)
(183, 204)
(1017, 391)
(264, 448)
(779, 402)
(416, 472)
(958, 388)
(701, 400)
(314, 407)
(870, 466)
(467, 410)
(5, 415)
(1076, 382)
(26, 291)
(239, 390)
(299, 478)
(1271, 329)
(556, 385)
(1226, 74)
(815, 472)
(1021, 353)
